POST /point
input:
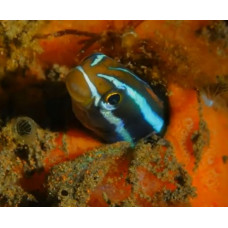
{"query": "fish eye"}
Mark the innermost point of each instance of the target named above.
(113, 98)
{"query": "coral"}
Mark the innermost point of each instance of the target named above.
(96, 178)
(18, 46)
(61, 163)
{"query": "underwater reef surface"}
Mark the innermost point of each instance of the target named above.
(47, 158)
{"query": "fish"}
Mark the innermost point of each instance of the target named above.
(113, 102)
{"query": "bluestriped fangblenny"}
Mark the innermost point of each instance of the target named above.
(113, 102)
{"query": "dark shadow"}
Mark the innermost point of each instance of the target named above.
(46, 102)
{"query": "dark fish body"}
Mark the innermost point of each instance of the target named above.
(113, 102)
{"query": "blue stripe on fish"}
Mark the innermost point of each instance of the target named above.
(119, 126)
(148, 114)
(92, 87)
(109, 116)
(126, 71)
(99, 58)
